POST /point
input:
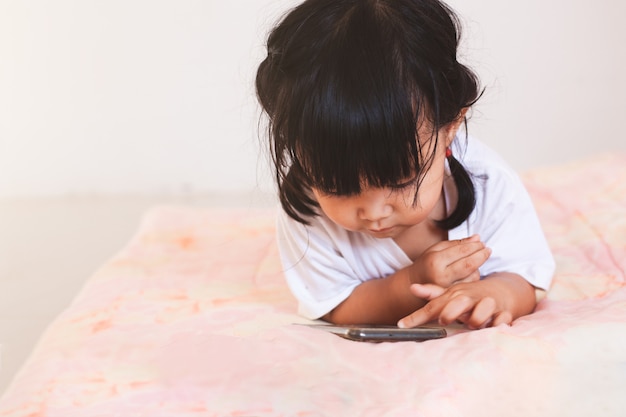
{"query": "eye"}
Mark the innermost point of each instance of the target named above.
(331, 193)
(403, 185)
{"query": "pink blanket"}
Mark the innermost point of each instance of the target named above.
(193, 318)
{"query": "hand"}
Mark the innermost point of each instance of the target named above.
(498, 299)
(450, 261)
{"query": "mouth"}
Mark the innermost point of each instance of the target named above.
(380, 231)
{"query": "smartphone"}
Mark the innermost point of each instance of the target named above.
(376, 333)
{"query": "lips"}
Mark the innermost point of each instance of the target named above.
(381, 231)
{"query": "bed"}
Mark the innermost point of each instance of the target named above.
(193, 318)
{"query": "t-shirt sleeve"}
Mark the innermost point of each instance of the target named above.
(316, 273)
(506, 221)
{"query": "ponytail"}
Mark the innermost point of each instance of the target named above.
(466, 194)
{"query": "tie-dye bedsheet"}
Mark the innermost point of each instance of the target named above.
(192, 318)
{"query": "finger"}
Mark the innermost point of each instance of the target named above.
(469, 264)
(473, 277)
(472, 238)
(446, 244)
(463, 318)
(503, 318)
(456, 250)
(482, 314)
(456, 309)
(425, 314)
(453, 263)
(454, 256)
(426, 291)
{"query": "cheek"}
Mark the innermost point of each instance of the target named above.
(428, 195)
(338, 210)
(431, 194)
(328, 206)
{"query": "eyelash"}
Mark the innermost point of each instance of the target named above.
(393, 188)
(403, 186)
(333, 194)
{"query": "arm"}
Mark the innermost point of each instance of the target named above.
(499, 298)
(386, 300)
(378, 301)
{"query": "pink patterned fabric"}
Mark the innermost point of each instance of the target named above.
(193, 318)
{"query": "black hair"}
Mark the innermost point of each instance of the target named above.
(346, 84)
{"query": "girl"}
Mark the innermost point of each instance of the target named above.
(390, 213)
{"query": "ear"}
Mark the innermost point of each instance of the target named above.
(452, 128)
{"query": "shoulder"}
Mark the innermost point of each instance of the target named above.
(319, 241)
(501, 198)
(496, 183)
(323, 262)
(504, 216)
(479, 159)
(322, 235)
(319, 227)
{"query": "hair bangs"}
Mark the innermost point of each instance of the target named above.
(358, 121)
(348, 84)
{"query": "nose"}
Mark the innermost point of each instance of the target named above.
(375, 206)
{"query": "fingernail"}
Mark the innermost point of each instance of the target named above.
(401, 325)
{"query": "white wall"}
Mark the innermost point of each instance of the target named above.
(555, 77)
(156, 96)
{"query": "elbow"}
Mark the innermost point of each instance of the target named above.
(331, 317)
(337, 316)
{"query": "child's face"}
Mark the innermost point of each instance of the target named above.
(387, 212)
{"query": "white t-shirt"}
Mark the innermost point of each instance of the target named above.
(323, 262)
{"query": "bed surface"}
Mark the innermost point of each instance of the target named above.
(193, 318)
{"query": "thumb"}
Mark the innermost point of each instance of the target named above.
(426, 291)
